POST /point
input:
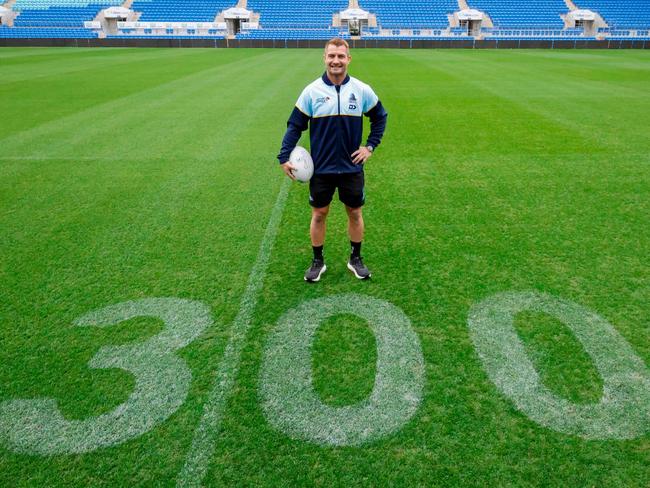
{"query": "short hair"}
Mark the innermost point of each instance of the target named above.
(337, 41)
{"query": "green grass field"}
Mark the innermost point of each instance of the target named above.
(131, 174)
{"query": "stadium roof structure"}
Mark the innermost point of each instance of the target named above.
(354, 13)
(117, 12)
(582, 14)
(470, 14)
(237, 13)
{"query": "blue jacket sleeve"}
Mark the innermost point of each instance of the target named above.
(377, 116)
(297, 123)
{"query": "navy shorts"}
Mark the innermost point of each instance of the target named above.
(350, 186)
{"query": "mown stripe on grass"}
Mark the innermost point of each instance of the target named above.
(100, 126)
(65, 63)
(581, 101)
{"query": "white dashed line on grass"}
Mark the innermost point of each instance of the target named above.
(203, 443)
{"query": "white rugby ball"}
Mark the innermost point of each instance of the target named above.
(303, 164)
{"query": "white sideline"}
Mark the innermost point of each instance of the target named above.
(203, 442)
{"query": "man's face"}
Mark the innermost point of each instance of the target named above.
(337, 60)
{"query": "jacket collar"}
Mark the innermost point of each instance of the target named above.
(327, 81)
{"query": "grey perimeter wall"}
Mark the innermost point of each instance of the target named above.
(361, 43)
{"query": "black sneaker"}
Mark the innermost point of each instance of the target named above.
(355, 264)
(316, 269)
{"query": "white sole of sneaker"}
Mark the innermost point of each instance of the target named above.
(351, 268)
(319, 275)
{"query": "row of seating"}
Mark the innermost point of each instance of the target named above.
(293, 34)
(544, 38)
(159, 36)
(22, 5)
(546, 33)
(45, 33)
(417, 38)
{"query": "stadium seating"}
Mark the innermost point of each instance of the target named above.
(180, 10)
(409, 14)
(622, 14)
(313, 19)
(296, 14)
(58, 16)
(523, 13)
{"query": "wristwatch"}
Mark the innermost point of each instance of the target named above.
(370, 147)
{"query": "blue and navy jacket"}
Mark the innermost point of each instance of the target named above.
(334, 116)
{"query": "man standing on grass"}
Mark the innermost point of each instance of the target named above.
(332, 107)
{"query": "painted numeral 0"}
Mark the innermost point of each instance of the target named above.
(162, 381)
(290, 401)
(624, 409)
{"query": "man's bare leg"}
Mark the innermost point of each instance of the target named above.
(317, 234)
(356, 230)
(355, 223)
(318, 225)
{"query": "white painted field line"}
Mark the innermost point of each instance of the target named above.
(203, 444)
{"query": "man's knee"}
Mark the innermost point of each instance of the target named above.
(320, 214)
(354, 214)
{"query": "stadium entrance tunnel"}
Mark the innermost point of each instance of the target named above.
(356, 19)
(471, 20)
(234, 18)
(588, 20)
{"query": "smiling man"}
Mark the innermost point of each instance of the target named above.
(332, 107)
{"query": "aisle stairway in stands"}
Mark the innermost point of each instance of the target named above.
(9, 20)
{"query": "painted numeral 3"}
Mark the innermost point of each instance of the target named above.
(162, 381)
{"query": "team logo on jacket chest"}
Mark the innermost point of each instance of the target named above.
(320, 101)
(352, 102)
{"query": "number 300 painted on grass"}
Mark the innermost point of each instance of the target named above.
(290, 403)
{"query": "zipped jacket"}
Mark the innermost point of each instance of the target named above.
(334, 114)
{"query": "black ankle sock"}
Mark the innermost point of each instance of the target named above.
(356, 249)
(318, 252)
